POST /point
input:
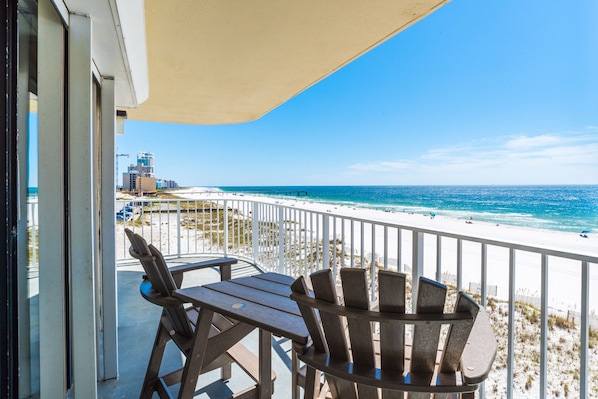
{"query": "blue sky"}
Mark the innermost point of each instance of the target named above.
(480, 92)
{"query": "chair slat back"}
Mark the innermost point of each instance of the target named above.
(356, 295)
(458, 335)
(391, 288)
(333, 328)
(430, 300)
(431, 296)
(351, 340)
(162, 281)
(391, 298)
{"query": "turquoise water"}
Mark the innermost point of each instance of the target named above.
(560, 208)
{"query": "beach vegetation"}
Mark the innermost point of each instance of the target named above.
(561, 322)
(166, 195)
(491, 303)
(593, 338)
(530, 312)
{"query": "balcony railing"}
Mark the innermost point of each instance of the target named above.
(296, 241)
(548, 342)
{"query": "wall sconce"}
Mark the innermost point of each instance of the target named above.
(120, 122)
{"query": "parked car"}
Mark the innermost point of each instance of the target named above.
(124, 215)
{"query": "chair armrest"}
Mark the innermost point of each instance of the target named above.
(149, 293)
(480, 351)
(223, 263)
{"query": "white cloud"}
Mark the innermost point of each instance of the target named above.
(564, 158)
(529, 142)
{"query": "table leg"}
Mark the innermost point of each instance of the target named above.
(265, 389)
(295, 367)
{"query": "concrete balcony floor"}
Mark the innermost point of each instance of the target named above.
(138, 320)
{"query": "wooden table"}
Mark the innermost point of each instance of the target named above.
(262, 301)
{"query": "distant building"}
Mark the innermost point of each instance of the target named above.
(164, 184)
(145, 184)
(140, 177)
(130, 180)
(145, 162)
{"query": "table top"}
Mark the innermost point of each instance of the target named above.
(262, 300)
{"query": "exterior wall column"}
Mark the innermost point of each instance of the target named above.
(107, 233)
(51, 199)
(81, 220)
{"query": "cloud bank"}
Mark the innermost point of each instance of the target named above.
(558, 158)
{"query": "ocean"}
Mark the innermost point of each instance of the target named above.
(569, 208)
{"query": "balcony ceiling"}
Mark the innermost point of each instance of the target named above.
(230, 61)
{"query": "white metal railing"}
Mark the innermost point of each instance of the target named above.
(32, 233)
(297, 241)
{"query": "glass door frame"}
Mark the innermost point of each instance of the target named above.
(9, 199)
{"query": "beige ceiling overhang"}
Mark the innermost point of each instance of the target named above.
(230, 61)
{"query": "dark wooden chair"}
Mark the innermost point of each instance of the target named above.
(177, 324)
(364, 353)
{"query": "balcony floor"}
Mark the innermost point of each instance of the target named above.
(137, 321)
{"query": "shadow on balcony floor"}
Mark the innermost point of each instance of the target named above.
(138, 320)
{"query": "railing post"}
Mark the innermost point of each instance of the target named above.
(483, 301)
(318, 240)
(225, 245)
(280, 239)
(385, 247)
(343, 242)
(399, 251)
(362, 243)
(352, 243)
(178, 228)
(439, 258)
(544, 327)
(459, 264)
(373, 273)
(333, 241)
(255, 231)
(326, 243)
(484, 276)
(511, 326)
(417, 263)
(585, 318)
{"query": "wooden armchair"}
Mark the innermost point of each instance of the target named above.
(178, 323)
(364, 352)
